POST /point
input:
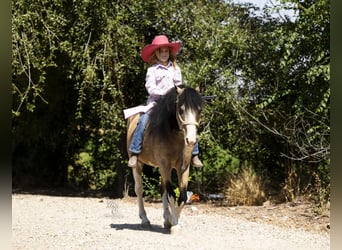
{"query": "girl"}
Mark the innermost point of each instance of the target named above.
(162, 75)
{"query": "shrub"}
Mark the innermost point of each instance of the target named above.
(244, 188)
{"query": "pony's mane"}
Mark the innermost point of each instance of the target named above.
(163, 121)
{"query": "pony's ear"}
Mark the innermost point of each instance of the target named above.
(198, 89)
(179, 90)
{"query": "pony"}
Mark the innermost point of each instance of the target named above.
(169, 138)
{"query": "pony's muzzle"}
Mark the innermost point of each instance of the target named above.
(189, 142)
(190, 135)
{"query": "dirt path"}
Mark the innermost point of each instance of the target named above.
(48, 222)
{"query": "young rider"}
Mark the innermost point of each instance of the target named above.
(162, 75)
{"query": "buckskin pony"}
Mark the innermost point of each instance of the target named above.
(169, 138)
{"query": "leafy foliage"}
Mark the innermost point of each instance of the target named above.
(76, 66)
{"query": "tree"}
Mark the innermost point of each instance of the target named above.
(77, 65)
(285, 76)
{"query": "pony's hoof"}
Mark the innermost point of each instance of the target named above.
(146, 224)
(167, 224)
(175, 230)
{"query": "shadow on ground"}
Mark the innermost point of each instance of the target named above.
(139, 227)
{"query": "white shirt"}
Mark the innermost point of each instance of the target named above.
(160, 79)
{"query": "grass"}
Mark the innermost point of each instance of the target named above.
(244, 189)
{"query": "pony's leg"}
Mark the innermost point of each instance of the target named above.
(171, 209)
(176, 210)
(166, 213)
(137, 172)
(165, 190)
(183, 178)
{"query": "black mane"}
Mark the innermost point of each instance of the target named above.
(163, 121)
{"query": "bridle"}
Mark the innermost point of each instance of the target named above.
(182, 123)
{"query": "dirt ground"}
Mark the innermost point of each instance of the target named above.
(59, 222)
(295, 215)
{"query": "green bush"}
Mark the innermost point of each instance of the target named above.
(218, 162)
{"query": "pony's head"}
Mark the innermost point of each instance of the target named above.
(188, 111)
(178, 110)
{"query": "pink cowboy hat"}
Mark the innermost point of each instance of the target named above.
(159, 41)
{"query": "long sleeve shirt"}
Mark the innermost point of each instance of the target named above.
(160, 79)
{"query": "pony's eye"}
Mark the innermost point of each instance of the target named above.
(182, 109)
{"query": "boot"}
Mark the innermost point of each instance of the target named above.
(196, 162)
(133, 160)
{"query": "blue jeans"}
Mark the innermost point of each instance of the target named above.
(138, 136)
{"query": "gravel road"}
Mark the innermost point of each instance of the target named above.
(53, 222)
